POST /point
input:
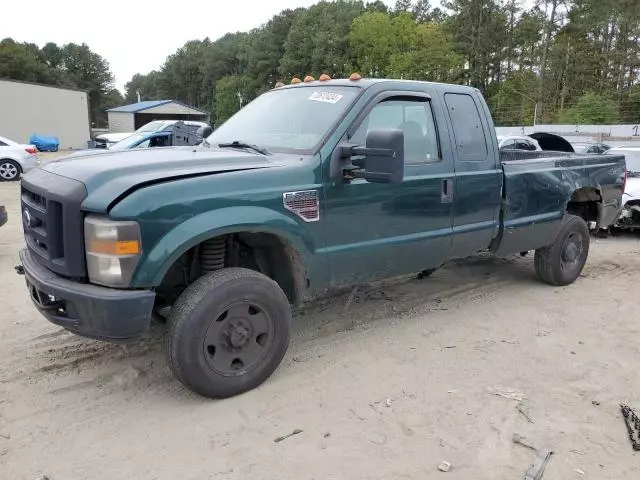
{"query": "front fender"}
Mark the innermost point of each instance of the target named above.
(155, 264)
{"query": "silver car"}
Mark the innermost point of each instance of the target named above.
(15, 159)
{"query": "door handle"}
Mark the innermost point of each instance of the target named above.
(446, 195)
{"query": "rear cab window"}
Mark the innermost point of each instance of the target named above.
(468, 131)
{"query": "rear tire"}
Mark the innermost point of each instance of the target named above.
(561, 262)
(9, 171)
(228, 332)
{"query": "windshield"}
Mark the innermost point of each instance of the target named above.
(632, 158)
(151, 127)
(287, 120)
(128, 142)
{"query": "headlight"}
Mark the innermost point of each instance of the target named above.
(113, 250)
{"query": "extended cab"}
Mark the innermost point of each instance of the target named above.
(309, 189)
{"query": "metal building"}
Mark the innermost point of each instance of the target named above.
(28, 108)
(129, 118)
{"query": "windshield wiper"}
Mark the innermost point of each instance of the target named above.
(241, 144)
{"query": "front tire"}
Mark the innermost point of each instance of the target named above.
(228, 332)
(9, 171)
(562, 262)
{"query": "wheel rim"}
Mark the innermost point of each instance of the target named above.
(238, 338)
(572, 250)
(8, 171)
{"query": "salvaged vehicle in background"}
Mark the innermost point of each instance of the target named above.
(15, 159)
(518, 142)
(108, 140)
(310, 188)
(178, 134)
(586, 147)
(630, 213)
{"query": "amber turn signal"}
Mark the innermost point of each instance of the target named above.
(123, 247)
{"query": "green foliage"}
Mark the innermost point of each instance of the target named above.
(230, 91)
(70, 66)
(18, 62)
(557, 54)
(514, 103)
(592, 109)
(146, 85)
(375, 37)
(430, 57)
(318, 41)
(630, 112)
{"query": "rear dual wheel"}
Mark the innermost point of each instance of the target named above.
(228, 332)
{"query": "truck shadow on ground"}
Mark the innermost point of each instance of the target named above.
(70, 362)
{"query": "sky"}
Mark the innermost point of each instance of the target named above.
(135, 36)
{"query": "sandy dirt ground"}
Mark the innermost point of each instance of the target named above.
(384, 384)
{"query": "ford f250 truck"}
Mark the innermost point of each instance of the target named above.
(309, 189)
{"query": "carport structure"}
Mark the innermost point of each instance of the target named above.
(129, 118)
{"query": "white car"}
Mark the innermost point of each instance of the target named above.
(15, 159)
(630, 213)
(108, 139)
(518, 142)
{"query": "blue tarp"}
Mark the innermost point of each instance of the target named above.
(44, 143)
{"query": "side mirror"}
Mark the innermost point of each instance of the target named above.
(204, 131)
(383, 157)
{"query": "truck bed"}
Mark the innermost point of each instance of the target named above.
(538, 188)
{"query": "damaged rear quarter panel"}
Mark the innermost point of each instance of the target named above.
(538, 190)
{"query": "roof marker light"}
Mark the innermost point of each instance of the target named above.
(355, 77)
(308, 79)
(295, 81)
(324, 77)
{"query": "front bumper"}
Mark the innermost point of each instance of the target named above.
(88, 310)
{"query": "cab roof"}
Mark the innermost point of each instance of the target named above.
(364, 83)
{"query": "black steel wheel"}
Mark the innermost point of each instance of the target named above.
(562, 262)
(228, 332)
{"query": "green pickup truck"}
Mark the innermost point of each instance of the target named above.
(309, 189)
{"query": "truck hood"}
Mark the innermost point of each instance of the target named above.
(113, 173)
(86, 153)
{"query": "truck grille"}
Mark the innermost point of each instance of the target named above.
(52, 222)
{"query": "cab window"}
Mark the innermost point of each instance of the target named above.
(414, 118)
(471, 141)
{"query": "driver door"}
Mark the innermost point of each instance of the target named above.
(381, 230)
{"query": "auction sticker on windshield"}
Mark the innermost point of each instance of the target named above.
(326, 97)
